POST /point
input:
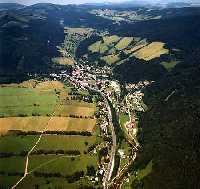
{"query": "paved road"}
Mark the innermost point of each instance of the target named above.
(108, 174)
(109, 171)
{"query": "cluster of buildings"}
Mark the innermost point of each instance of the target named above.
(138, 86)
(92, 77)
(116, 15)
(134, 101)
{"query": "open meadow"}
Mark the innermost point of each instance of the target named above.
(26, 101)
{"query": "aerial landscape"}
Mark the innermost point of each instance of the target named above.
(100, 94)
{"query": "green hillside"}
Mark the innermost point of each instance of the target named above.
(170, 132)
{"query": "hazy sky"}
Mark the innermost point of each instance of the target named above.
(28, 2)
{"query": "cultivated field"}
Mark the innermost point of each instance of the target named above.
(51, 182)
(111, 39)
(124, 43)
(35, 98)
(80, 31)
(66, 142)
(169, 65)
(61, 164)
(63, 61)
(151, 51)
(67, 109)
(58, 160)
(117, 50)
(95, 47)
(40, 123)
(17, 144)
(111, 59)
(12, 164)
(26, 101)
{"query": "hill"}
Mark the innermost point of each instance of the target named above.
(170, 132)
(10, 6)
(121, 51)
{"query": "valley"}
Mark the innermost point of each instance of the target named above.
(99, 96)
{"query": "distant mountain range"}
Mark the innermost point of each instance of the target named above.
(149, 3)
(124, 4)
(10, 6)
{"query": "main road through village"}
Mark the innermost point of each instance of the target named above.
(110, 167)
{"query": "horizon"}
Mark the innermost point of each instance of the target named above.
(66, 2)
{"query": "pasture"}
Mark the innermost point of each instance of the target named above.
(123, 119)
(124, 43)
(117, 50)
(61, 163)
(111, 39)
(111, 59)
(17, 144)
(26, 101)
(151, 51)
(169, 65)
(45, 106)
(52, 183)
(12, 164)
(63, 61)
(75, 108)
(80, 31)
(95, 47)
(70, 142)
(27, 108)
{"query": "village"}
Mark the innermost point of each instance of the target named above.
(99, 79)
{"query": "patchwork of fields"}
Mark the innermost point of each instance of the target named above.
(63, 157)
(115, 49)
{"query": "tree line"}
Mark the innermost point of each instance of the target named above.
(70, 178)
(26, 133)
(40, 152)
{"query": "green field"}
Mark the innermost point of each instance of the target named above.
(95, 47)
(52, 183)
(66, 142)
(104, 45)
(124, 43)
(29, 106)
(44, 183)
(17, 144)
(7, 182)
(139, 175)
(61, 163)
(123, 118)
(111, 59)
(144, 172)
(63, 61)
(12, 164)
(111, 39)
(169, 65)
(117, 50)
(26, 101)
(23, 102)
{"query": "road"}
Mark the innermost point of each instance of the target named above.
(118, 180)
(109, 171)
